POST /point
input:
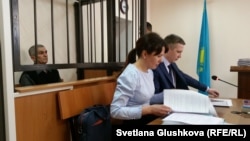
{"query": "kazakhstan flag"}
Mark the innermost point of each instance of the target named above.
(203, 61)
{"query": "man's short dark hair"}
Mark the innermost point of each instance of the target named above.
(149, 26)
(173, 39)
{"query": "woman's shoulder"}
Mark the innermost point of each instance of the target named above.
(130, 72)
(131, 69)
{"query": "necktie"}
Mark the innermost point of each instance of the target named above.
(170, 73)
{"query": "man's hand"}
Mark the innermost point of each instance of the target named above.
(212, 93)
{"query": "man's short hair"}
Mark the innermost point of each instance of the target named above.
(149, 26)
(33, 49)
(173, 39)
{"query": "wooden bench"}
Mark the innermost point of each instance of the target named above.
(43, 112)
(73, 102)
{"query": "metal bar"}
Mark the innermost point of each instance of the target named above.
(81, 29)
(52, 31)
(88, 32)
(111, 30)
(79, 38)
(133, 17)
(119, 36)
(94, 34)
(143, 16)
(35, 29)
(67, 26)
(126, 31)
(15, 34)
(102, 31)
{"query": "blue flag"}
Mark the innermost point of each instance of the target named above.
(203, 61)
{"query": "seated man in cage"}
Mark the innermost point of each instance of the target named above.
(37, 77)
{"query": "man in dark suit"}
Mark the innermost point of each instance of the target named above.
(168, 76)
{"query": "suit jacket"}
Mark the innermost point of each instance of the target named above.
(163, 81)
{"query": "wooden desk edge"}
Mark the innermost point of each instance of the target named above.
(240, 68)
(236, 102)
(63, 84)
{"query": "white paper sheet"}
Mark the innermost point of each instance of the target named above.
(194, 119)
(221, 102)
(187, 101)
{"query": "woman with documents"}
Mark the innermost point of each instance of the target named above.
(135, 85)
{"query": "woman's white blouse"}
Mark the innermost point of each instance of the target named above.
(134, 89)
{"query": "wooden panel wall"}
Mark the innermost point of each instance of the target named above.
(38, 116)
(38, 119)
(94, 73)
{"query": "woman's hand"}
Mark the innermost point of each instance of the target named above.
(157, 109)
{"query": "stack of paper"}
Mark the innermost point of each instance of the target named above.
(195, 119)
(221, 102)
(244, 62)
(190, 107)
(246, 106)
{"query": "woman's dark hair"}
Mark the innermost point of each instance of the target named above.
(150, 42)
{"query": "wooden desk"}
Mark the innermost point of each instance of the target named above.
(225, 113)
(243, 80)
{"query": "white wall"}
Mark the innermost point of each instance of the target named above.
(229, 34)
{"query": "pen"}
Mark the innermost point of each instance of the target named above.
(238, 112)
(214, 100)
